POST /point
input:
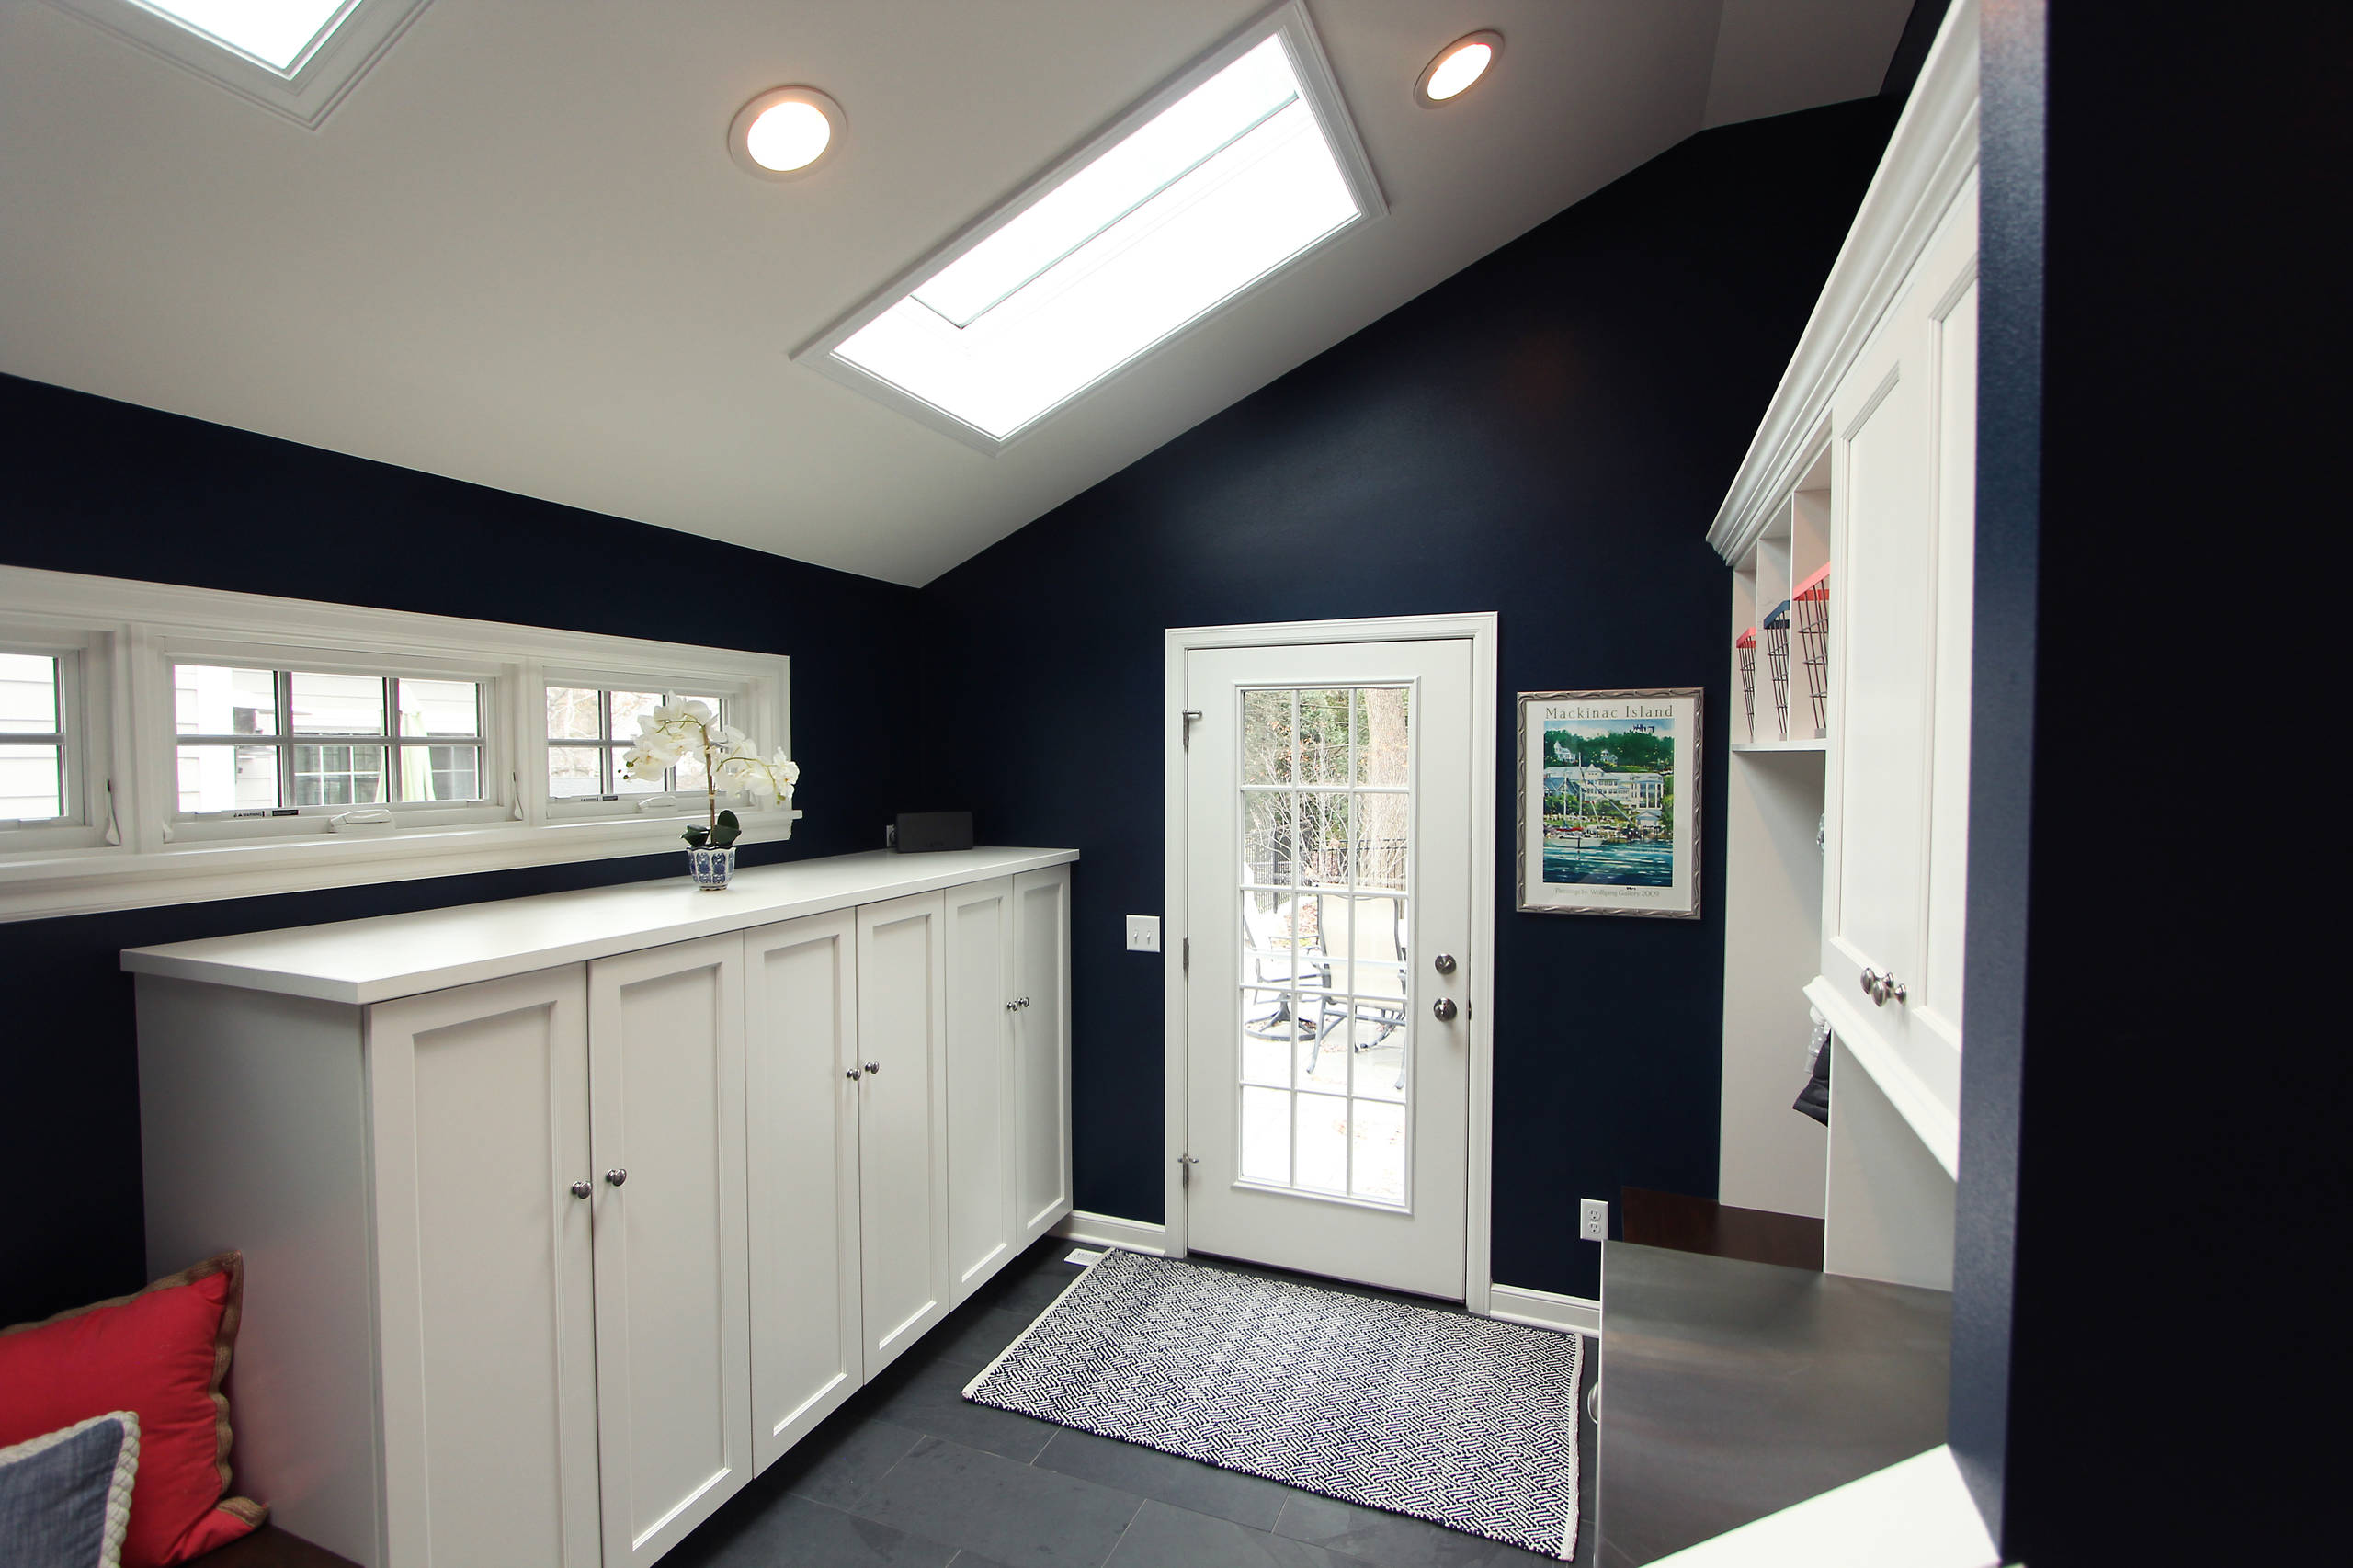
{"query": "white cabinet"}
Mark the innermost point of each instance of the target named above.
(478, 1104)
(981, 1125)
(903, 1122)
(551, 1246)
(1040, 1011)
(1902, 532)
(1873, 431)
(665, 1070)
(1008, 1068)
(801, 1066)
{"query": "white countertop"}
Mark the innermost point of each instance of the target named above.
(400, 955)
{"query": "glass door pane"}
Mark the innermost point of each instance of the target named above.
(1322, 1070)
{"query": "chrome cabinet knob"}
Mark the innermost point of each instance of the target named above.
(580, 1189)
(1443, 963)
(1444, 1009)
(1012, 1004)
(616, 1176)
(852, 1074)
(873, 1068)
(1883, 988)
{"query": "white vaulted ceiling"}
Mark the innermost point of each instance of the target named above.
(519, 253)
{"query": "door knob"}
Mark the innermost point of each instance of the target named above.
(1444, 1009)
(1443, 963)
(580, 1189)
(873, 1068)
(616, 1176)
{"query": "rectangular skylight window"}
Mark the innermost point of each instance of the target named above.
(275, 32)
(1221, 180)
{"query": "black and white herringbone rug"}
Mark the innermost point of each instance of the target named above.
(1459, 1420)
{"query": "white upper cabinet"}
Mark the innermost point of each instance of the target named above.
(903, 1122)
(479, 1102)
(666, 1028)
(1042, 1050)
(982, 1130)
(1904, 425)
(801, 1070)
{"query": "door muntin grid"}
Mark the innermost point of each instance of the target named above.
(1324, 1021)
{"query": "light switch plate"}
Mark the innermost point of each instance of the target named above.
(1593, 1219)
(1144, 933)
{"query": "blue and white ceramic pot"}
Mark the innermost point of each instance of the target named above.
(714, 868)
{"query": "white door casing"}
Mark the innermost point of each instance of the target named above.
(665, 1029)
(983, 1127)
(800, 1047)
(1331, 1135)
(1041, 1049)
(903, 1122)
(478, 1100)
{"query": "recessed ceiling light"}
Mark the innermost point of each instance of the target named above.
(1457, 65)
(1235, 170)
(785, 133)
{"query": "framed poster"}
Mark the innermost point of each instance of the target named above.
(1609, 803)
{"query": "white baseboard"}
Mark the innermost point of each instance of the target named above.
(1542, 1309)
(1103, 1230)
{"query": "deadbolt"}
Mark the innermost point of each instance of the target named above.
(1443, 963)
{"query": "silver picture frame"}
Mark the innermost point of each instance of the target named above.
(1638, 829)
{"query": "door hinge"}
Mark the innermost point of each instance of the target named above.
(1184, 1164)
(1189, 715)
(1189, 955)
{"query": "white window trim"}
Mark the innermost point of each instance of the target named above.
(82, 701)
(1319, 88)
(133, 857)
(306, 93)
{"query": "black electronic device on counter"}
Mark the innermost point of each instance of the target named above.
(921, 832)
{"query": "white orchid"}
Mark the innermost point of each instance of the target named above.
(676, 730)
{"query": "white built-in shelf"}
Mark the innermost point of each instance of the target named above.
(1816, 744)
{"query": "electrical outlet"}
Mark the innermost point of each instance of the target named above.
(1593, 1219)
(1144, 933)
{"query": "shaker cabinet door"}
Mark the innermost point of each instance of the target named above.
(903, 1122)
(665, 1029)
(478, 1097)
(1902, 529)
(983, 1129)
(1042, 1050)
(800, 1049)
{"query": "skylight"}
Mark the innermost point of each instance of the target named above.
(1226, 177)
(275, 32)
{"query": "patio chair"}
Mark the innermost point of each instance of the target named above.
(1363, 960)
(1266, 961)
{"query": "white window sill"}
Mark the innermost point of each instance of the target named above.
(88, 881)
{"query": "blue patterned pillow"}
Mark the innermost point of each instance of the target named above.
(66, 1497)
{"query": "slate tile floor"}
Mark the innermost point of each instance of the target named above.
(908, 1473)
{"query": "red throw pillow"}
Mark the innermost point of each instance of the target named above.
(163, 1353)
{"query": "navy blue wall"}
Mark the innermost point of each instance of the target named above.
(1546, 435)
(90, 485)
(2149, 1350)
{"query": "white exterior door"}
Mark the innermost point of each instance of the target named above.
(665, 1030)
(1903, 532)
(982, 1128)
(1041, 1050)
(800, 1066)
(1327, 820)
(903, 1122)
(479, 1100)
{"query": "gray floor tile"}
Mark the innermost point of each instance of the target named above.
(1203, 1489)
(1164, 1536)
(799, 1532)
(1008, 1512)
(1384, 1539)
(931, 1399)
(836, 1465)
(975, 1338)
